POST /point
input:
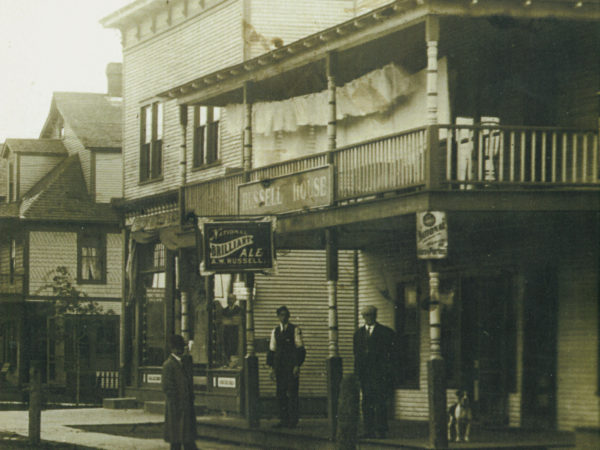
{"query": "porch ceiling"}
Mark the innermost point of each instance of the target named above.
(391, 221)
(385, 34)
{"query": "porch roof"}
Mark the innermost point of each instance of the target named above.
(294, 64)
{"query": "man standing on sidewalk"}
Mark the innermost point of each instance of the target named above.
(373, 365)
(178, 386)
(286, 355)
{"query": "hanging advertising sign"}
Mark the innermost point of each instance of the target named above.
(237, 246)
(432, 235)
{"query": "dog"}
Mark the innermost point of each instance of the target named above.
(460, 416)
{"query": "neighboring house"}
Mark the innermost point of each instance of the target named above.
(485, 113)
(58, 213)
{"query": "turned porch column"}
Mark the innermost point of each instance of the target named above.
(334, 361)
(251, 386)
(438, 437)
(183, 285)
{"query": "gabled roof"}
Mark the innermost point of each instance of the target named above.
(61, 195)
(94, 118)
(34, 146)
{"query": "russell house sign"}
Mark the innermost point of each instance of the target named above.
(237, 246)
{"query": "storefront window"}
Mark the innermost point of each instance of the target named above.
(152, 262)
(227, 329)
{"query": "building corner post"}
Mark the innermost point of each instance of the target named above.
(334, 366)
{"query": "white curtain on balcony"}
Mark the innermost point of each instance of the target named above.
(384, 101)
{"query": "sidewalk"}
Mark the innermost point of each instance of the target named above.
(143, 430)
(55, 427)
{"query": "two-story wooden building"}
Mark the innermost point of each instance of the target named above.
(58, 214)
(486, 112)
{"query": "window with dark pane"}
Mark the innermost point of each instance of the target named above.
(407, 336)
(206, 135)
(151, 136)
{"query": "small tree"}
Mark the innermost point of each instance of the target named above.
(70, 301)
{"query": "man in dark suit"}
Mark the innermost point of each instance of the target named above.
(286, 355)
(178, 386)
(373, 365)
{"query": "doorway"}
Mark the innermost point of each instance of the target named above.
(488, 345)
(539, 352)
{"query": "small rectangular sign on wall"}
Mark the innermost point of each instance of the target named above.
(432, 235)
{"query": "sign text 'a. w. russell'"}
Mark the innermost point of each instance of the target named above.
(237, 246)
(432, 235)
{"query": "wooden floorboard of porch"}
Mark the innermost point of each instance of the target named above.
(313, 434)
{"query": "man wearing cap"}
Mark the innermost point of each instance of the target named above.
(373, 365)
(178, 386)
(286, 355)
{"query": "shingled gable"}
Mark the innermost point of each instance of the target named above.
(62, 196)
(94, 118)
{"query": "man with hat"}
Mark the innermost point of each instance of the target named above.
(286, 355)
(373, 365)
(178, 386)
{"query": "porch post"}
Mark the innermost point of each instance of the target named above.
(438, 436)
(182, 284)
(124, 331)
(332, 102)
(334, 361)
(251, 360)
(433, 164)
(247, 150)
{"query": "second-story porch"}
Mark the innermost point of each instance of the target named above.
(501, 114)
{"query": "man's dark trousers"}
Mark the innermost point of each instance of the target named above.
(283, 360)
(287, 396)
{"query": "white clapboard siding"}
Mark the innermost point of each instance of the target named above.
(196, 47)
(300, 284)
(578, 338)
(290, 21)
(109, 176)
(50, 249)
(32, 169)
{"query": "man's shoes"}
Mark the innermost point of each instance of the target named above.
(382, 434)
(292, 424)
(280, 425)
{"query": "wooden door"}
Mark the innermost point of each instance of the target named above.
(486, 311)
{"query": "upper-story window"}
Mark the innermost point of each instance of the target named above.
(11, 182)
(91, 261)
(206, 135)
(13, 260)
(151, 141)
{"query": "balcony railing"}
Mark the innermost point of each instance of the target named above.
(469, 157)
(518, 156)
(11, 284)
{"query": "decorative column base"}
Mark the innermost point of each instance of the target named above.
(251, 391)
(334, 379)
(438, 432)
